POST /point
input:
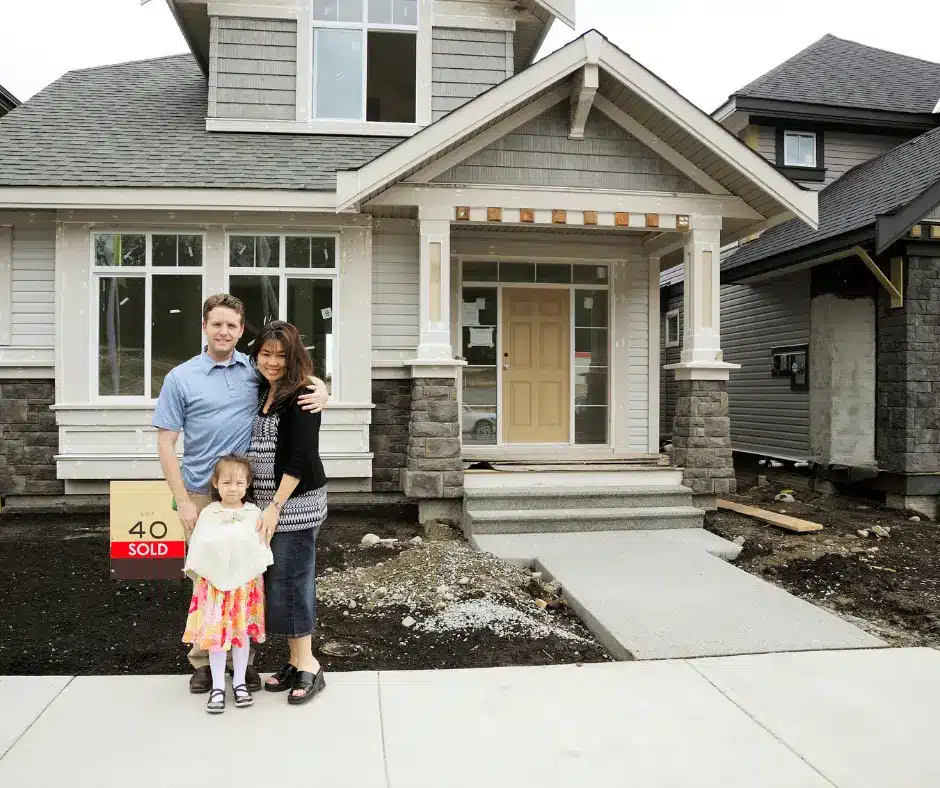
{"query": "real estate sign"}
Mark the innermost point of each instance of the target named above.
(146, 536)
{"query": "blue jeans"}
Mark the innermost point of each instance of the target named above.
(290, 587)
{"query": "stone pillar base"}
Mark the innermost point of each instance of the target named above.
(440, 510)
(925, 505)
(702, 438)
(434, 469)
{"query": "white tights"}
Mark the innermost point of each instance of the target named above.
(217, 659)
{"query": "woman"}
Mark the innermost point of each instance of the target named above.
(290, 486)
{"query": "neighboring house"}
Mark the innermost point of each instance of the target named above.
(471, 243)
(8, 101)
(837, 368)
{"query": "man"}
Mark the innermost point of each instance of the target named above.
(213, 398)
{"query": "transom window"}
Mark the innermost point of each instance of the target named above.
(365, 60)
(799, 149)
(148, 291)
(287, 277)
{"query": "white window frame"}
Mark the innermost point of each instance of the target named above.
(283, 273)
(801, 134)
(670, 315)
(146, 272)
(363, 27)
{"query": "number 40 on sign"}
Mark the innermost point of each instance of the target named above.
(146, 536)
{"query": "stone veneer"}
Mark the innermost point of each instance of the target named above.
(29, 439)
(434, 468)
(388, 435)
(701, 437)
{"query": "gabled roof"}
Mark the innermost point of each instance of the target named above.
(7, 101)
(143, 124)
(840, 73)
(852, 202)
(655, 107)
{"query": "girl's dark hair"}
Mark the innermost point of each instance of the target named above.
(230, 459)
(298, 366)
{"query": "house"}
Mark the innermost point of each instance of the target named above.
(835, 327)
(470, 241)
(8, 101)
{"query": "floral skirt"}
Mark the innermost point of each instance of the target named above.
(223, 619)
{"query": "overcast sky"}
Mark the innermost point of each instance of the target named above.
(705, 50)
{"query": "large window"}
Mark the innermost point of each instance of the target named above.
(799, 149)
(148, 291)
(287, 277)
(364, 60)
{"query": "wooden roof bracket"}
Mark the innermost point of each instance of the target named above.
(894, 285)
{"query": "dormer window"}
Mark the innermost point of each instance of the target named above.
(799, 149)
(364, 60)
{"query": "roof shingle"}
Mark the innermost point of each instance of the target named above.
(143, 124)
(840, 73)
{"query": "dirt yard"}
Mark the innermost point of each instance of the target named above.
(888, 585)
(422, 604)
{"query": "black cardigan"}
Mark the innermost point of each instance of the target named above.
(297, 452)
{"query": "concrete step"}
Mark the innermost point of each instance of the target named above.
(578, 498)
(512, 521)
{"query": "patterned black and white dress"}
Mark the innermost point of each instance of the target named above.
(299, 512)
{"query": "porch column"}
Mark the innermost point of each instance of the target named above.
(434, 312)
(702, 432)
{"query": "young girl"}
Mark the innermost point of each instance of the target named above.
(226, 560)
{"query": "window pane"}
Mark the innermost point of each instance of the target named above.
(163, 249)
(517, 272)
(337, 57)
(260, 297)
(305, 252)
(479, 306)
(479, 346)
(120, 250)
(553, 274)
(241, 251)
(590, 347)
(480, 272)
(380, 11)
(590, 308)
(478, 425)
(590, 387)
(296, 252)
(590, 425)
(808, 151)
(267, 251)
(175, 318)
(323, 252)
(590, 274)
(391, 83)
(337, 10)
(406, 12)
(478, 412)
(310, 308)
(121, 336)
(190, 250)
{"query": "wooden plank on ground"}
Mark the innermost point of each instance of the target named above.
(773, 518)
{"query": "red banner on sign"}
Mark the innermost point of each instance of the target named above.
(145, 549)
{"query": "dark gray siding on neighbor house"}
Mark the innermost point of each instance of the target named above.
(539, 153)
(767, 417)
(253, 68)
(466, 63)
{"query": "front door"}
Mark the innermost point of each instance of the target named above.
(536, 365)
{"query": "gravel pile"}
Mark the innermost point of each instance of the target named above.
(499, 618)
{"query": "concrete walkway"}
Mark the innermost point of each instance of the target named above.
(668, 594)
(849, 719)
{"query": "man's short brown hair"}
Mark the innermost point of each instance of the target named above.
(223, 299)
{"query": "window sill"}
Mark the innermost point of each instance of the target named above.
(814, 174)
(334, 127)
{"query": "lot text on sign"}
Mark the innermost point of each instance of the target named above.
(147, 540)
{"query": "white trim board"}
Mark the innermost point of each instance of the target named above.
(126, 199)
(359, 128)
(365, 183)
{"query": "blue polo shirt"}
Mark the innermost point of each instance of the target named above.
(214, 404)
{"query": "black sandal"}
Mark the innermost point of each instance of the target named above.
(214, 706)
(307, 682)
(242, 696)
(285, 679)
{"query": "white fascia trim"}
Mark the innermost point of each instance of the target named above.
(352, 186)
(803, 204)
(936, 109)
(332, 127)
(158, 198)
(259, 11)
(562, 10)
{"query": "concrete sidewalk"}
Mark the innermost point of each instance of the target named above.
(849, 719)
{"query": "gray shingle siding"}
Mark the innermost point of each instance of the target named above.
(539, 153)
(395, 287)
(466, 63)
(144, 124)
(241, 55)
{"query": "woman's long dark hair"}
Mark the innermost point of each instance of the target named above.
(298, 367)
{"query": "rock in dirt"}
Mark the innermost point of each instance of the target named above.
(464, 581)
(416, 541)
(785, 498)
(915, 519)
(340, 648)
(739, 541)
(541, 603)
(352, 604)
(370, 540)
(408, 622)
(381, 592)
(536, 575)
(863, 532)
(881, 531)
